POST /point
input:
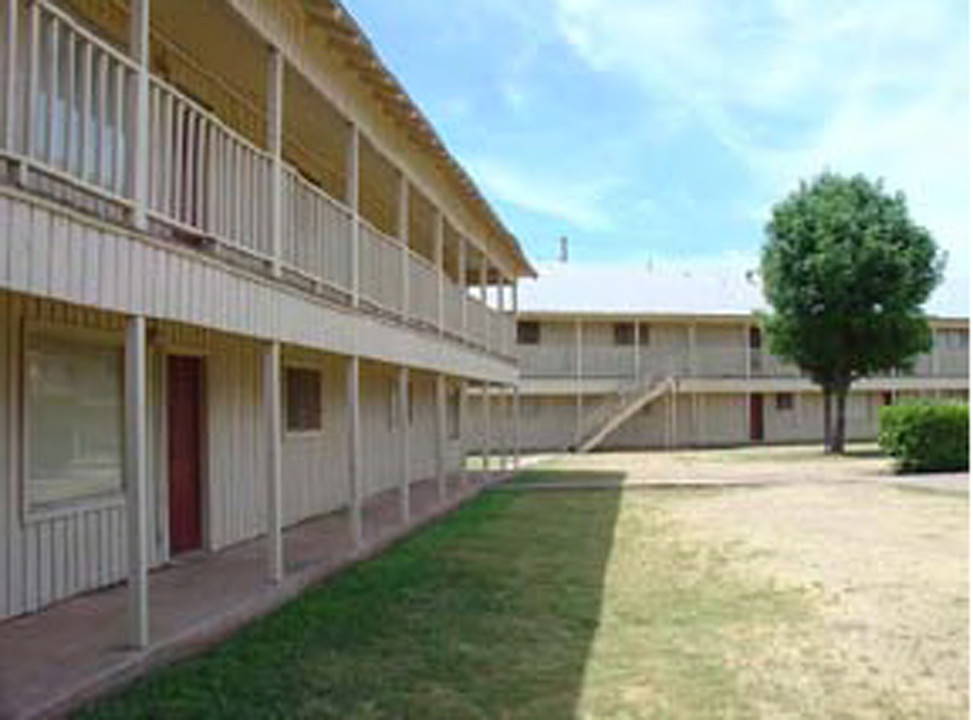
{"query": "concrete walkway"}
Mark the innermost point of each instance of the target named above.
(52, 661)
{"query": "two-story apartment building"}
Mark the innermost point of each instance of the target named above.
(691, 370)
(242, 283)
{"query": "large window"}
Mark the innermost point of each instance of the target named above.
(74, 407)
(303, 399)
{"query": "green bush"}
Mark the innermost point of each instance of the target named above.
(924, 437)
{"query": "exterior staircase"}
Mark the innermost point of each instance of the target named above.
(629, 401)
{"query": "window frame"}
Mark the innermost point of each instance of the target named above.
(285, 399)
(20, 416)
(535, 338)
(624, 334)
(785, 401)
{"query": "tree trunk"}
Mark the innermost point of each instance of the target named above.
(827, 419)
(838, 437)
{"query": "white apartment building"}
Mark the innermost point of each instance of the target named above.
(242, 284)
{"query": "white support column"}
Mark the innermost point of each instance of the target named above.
(464, 292)
(675, 413)
(405, 455)
(353, 399)
(578, 379)
(273, 429)
(693, 363)
(516, 426)
(351, 198)
(275, 134)
(137, 479)
(464, 409)
(746, 374)
(441, 436)
(484, 270)
(404, 237)
(747, 353)
(139, 151)
(637, 353)
(439, 255)
(10, 118)
(694, 419)
(487, 428)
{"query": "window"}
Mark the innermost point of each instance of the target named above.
(645, 334)
(74, 406)
(756, 338)
(887, 397)
(528, 332)
(785, 401)
(302, 396)
(453, 413)
(624, 334)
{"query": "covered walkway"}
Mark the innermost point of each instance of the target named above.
(53, 660)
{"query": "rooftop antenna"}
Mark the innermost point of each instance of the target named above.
(563, 256)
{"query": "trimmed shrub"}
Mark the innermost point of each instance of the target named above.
(924, 437)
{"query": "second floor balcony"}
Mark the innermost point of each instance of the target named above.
(208, 136)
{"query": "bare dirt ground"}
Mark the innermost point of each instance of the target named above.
(885, 569)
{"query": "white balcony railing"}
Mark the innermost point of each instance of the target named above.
(316, 233)
(380, 268)
(79, 92)
(72, 119)
(423, 290)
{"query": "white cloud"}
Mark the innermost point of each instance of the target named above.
(793, 86)
(579, 201)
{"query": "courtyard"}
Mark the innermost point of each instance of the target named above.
(729, 583)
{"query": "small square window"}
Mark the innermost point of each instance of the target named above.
(624, 334)
(785, 401)
(302, 396)
(528, 332)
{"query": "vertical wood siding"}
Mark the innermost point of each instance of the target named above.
(45, 560)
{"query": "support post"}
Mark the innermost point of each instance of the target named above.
(438, 254)
(137, 479)
(516, 425)
(273, 428)
(351, 198)
(578, 376)
(487, 429)
(10, 79)
(405, 458)
(464, 289)
(275, 125)
(637, 353)
(463, 426)
(353, 398)
(404, 237)
(693, 363)
(138, 156)
(441, 436)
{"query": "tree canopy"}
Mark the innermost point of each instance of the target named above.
(846, 272)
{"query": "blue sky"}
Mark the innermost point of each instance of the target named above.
(662, 132)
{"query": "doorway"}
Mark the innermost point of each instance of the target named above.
(184, 381)
(756, 417)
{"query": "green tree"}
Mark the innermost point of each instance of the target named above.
(846, 272)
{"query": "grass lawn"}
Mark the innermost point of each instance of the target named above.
(602, 604)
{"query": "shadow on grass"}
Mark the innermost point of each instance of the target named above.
(490, 613)
(560, 476)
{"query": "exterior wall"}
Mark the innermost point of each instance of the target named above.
(720, 350)
(83, 546)
(702, 420)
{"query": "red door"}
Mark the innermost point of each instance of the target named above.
(185, 388)
(757, 417)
